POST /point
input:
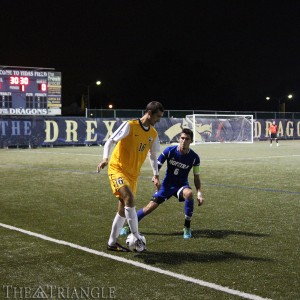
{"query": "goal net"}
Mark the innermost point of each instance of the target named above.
(214, 128)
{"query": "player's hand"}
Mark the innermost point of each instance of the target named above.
(200, 201)
(156, 181)
(102, 165)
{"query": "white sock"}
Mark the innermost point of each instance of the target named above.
(117, 224)
(132, 220)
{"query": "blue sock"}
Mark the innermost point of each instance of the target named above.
(189, 207)
(140, 214)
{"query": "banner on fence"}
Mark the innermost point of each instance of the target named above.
(61, 131)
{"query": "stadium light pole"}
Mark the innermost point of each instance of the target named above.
(98, 82)
(281, 102)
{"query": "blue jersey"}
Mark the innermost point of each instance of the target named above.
(178, 168)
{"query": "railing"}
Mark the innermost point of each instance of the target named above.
(137, 113)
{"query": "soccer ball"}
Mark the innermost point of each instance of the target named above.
(131, 243)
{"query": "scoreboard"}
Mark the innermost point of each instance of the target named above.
(30, 91)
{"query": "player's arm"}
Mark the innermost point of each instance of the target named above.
(163, 157)
(197, 182)
(118, 135)
(154, 163)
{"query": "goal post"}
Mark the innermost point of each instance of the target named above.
(215, 128)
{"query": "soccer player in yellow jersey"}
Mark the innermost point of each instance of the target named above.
(134, 140)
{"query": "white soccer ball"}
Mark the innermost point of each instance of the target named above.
(131, 243)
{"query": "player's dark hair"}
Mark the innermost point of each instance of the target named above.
(188, 132)
(155, 106)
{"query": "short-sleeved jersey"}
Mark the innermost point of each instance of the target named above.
(130, 152)
(273, 128)
(178, 166)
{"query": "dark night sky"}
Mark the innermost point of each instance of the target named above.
(223, 55)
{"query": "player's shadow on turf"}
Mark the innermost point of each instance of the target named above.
(176, 258)
(212, 234)
(220, 234)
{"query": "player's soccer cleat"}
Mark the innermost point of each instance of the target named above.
(117, 247)
(125, 231)
(187, 234)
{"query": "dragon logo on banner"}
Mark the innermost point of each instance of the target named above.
(203, 131)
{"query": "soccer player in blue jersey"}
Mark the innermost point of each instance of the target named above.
(180, 160)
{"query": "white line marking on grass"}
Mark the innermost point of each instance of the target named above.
(253, 158)
(100, 155)
(138, 264)
(58, 153)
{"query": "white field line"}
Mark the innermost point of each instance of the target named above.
(215, 159)
(254, 157)
(139, 265)
(57, 153)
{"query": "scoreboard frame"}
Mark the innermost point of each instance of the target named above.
(30, 91)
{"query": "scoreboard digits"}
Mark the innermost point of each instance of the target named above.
(42, 87)
(29, 91)
(18, 80)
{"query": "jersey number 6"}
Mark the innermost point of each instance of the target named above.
(142, 147)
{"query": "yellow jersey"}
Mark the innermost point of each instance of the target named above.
(130, 152)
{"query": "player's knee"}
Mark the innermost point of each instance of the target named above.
(157, 200)
(188, 194)
(127, 196)
(129, 200)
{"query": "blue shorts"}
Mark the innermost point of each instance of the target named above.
(165, 193)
